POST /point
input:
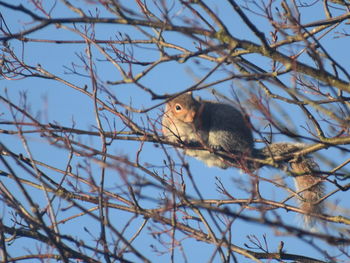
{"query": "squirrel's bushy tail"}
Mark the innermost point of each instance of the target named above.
(309, 185)
(309, 188)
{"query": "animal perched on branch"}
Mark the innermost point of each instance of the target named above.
(219, 135)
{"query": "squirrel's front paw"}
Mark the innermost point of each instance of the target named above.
(217, 148)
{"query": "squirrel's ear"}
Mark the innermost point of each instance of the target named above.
(189, 93)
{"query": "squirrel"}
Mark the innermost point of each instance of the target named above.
(227, 138)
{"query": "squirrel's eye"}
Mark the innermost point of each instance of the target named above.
(178, 107)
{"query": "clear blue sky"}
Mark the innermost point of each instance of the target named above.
(54, 102)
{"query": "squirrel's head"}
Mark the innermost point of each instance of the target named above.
(183, 108)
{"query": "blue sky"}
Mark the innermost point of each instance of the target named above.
(53, 102)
